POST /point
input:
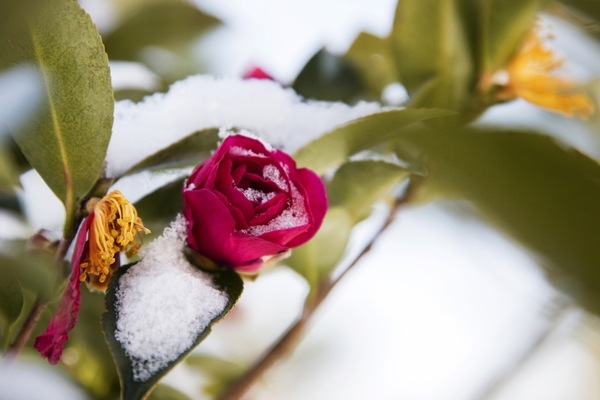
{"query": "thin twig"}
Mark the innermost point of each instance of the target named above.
(292, 337)
(561, 310)
(38, 307)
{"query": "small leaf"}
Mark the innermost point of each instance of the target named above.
(433, 53)
(315, 259)
(335, 147)
(358, 184)
(221, 373)
(330, 78)
(530, 186)
(11, 300)
(225, 280)
(190, 150)
(164, 392)
(504, 25)
(66, 142)
(163, 24)
(374, 59)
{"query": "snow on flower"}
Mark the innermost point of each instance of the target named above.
(249, 204)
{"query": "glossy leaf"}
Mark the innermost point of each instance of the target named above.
(315, 259)
(335, 147)
(358, 184)
(189, 151)
(330, 78)
(504, 25)
(162, 24)
(542, 194)
(226, 280)
(372, 56)
(432, 51)
(11, 300)
(66, 142)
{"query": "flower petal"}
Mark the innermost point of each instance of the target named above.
(316, 203)
(50, 344)
(211, 232)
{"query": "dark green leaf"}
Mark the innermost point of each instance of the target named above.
(372, 56)
(164, 392)
(315, 259)
(335, 147)
(34, 271)
(226, 280)
(66, 142)
(358, 184)
(11, 300)
(163, 24)
(190, 150)
(542, 194)
(328, 77)
(504, 25)
(159, 208)
(588, 8)
(432, 53)
(221, 373)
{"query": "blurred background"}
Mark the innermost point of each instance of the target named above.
(444, 307)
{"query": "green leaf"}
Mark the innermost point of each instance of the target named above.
(190, 150)
(11, 300)
(159, 208)
(433, 53)
(335, 147)
(315, 259)
(372, 56)
(35, 271)
(225, 280)
(164, 392)
(542, 194)
(163, 24)
(504, 25)
(221, 373)
(330, 78)
(358, 184)
(66, 142)
(8, 172)
(588, 8)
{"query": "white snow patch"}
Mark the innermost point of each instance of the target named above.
(163, 303)
(276, 114)
(293, 216)
(132, 75)
(272, 173)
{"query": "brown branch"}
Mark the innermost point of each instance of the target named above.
(37, 309)
(292, 337)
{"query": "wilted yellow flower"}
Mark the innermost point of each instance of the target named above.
(533, 75)
(113, 228)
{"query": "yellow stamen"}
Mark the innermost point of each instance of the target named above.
(112, 230)
(533, 76)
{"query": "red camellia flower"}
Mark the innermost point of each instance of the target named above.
(247, 204)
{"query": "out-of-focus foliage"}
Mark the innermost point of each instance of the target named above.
(543, 195)
(189, 151)
(66, 142)
(220, 372)
(335, 147)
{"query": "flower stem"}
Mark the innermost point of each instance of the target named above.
(38, 307)
(293, 335)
